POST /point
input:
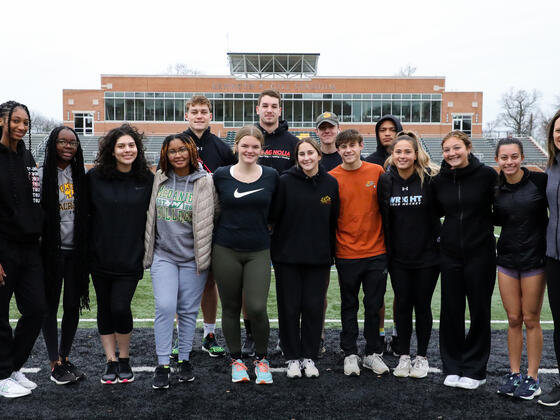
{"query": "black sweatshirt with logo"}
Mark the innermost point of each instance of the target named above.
(411, 225)
(279, 148)
(464, 196)
(212, 150)
(21, 214)
(305, 214)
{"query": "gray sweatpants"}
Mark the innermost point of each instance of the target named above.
(177, 289)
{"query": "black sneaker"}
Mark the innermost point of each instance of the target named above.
(61, 376)
(528, 389)
(161, 377)
(392, 345)
(248, 349)
(184, 371)
(510, 383)
(71, 367)
(322, 349)
(111, 371)
(125, 374)
(552, 397)
(211, 346)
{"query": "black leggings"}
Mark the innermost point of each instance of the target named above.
(114, 295)
(65, 265)
(553, 283)
(414, 288)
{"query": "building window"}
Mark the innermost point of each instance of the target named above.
(83, 123)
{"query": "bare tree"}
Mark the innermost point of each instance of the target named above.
(181, 69)
(407, 71)
(42, 124)
(520, 111)
(491, 127)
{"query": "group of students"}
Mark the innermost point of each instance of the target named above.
(209, 218)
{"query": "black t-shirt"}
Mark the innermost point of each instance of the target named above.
(243, 223)
(330, 160)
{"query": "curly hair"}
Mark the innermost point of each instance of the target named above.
(189, 144)
(105, 161)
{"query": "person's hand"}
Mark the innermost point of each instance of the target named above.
(2, 275)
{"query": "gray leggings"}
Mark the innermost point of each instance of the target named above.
(243, 276)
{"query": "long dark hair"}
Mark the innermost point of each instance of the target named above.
(189, 144)
(106, 163)
(7, 109)
(504, 142)
(51, 232)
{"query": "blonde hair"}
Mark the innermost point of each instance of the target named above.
(248, 130)
(423, 165)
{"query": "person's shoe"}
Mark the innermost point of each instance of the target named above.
(278, 349)
(451, 380)
(309, 368)
(71, 367)
(322, 349)
(175, 350)
(420, 367)
(21, 379)
(125, 374)
(184, 371)
(248, 349)
(469, 383)
(262, 372)
(391, 345)
(510, 384)
(375, 362)
(9, 388)
(211, 346)
(294, 369)
(551, 398)
(239, 371)
(528, 389)
(351, 367)
(161, 377)
(403, 368)
(62, 376)
(110, 376)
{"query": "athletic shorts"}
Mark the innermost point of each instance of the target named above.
(517, 274)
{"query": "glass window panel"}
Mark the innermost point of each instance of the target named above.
(356, 111)
(307, 111)
(347, 111)
(366, 111)
(169, 110)
(386, 96)
(150, 94)
(307, 96)
(375, 111)
(396, 96)
(287, 110)
(149, 108)
(377, 96)
(298, 111)
(436, 111)
(327, 95)
(298, 96)
(415, 115)
(249, 112)
(426, 107)
(129, 109)
(415, 96)
(386, 108)
(179, 110)
(337, 96)
(327, 107)
(238, 111)
(426, 96)
(237, 95)
(158, 94)
(139, 110)
(406, 96)
(357, 96)
(229, 95)
(119, 94)
(396, 108)
(139, 94)
(367, 96)
(346, 96)
(317, 109)
(129, 94)
(405, 111)
(228, 111)
(467, 124)
(159, 109)
(109, 109)
(337, 108)
(218, 110)
(109, 94)
(119, 109)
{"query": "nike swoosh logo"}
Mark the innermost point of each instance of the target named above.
(237, 194)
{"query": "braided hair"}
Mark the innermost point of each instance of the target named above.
(7, 109)
(51, 232)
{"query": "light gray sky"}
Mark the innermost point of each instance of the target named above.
(479, 45)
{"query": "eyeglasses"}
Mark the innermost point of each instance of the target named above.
(73, 144)
(182, 151)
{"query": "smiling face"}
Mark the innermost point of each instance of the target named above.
(350, 152)
(327, 133)
(249, 149)
(178, 156)
(456, 153)
(509, 159)
(404, 155)
(308, 159)
(125, 153)
(19, 125)
(199, 117)
(66, 147)
(269, 111)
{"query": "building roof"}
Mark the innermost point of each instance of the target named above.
(273, 65)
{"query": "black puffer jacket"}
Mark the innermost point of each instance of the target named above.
(521, 210)
(464, 196)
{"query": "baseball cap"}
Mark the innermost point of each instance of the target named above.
(329, 117)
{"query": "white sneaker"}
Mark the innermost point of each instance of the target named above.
(403, 368)
(420, 367)
(21, 379)
(310, 369)
(294, 370)
(11, 389)
(351, 367)
(375, 362)
(451, 380)
(469, 383)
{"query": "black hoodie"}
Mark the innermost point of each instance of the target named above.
(380, 155)
(408, 211)
(212, 150)
(464, 196)
(305, 213)
(21, 214)
(279, 147)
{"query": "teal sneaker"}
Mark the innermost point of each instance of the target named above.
(175, 350)
(211, 346)
(262, 371)
(239, 371)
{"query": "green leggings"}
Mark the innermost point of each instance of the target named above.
(243, 277)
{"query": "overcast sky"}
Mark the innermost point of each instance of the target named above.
(479, 45)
